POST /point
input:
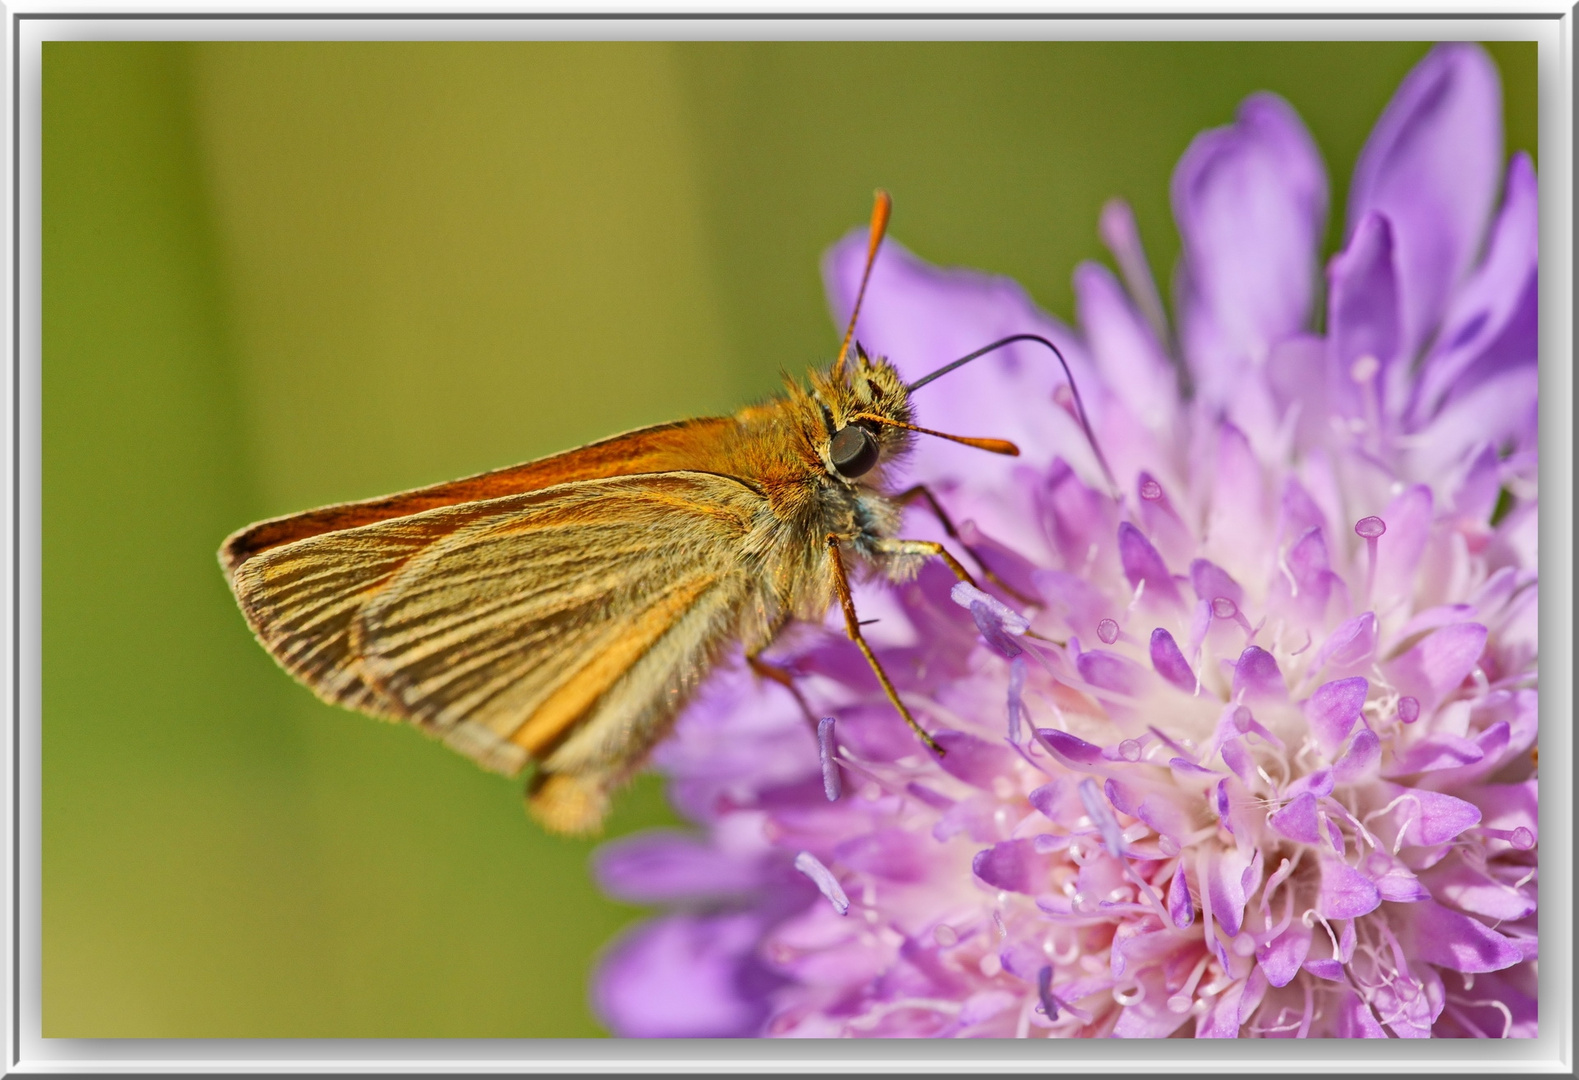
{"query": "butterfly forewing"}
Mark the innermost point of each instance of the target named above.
(302, 598)
(655, 449)
(565, 625)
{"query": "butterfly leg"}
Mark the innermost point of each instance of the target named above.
(924, 493)
(932, 547)
(785, 678)
(852, 626)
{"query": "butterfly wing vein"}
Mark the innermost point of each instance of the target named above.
(566, 625)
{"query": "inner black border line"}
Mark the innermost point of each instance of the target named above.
(17, 18)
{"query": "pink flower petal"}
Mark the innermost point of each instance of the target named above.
(1363, 320)
(1297, 820)
(1282, 957)
(1448, 939)
(1143, 564)
(1345, 892)
(1438, 664)
(1169, 662)
(1432, 166)
(1333, 710)
(1250, 200)
(973, 760)
(1257, 677)
(1014, 865)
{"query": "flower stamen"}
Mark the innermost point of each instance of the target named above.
(1370, 529)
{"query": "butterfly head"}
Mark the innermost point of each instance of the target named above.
(866, 413)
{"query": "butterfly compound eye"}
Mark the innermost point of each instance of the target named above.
(853, 451)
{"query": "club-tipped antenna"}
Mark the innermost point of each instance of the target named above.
(1080, 408)
(881, 206)
(992, 446)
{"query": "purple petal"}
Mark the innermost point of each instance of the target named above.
(1211, 581)
(1512, 989)
(1433, 753)
(1116, 225)
(1143, 564)
(1438, 664)
(1014, 865)
(1046, 798)
(1398, 552)
(1448, 939)
(1125, 347)
(1227, 1016)
(1297, 821)
(1282, 957)
(1363, 319)
(1237, 521)
(1071, 747)
(1078, 602)
(1181, 905)
(1257, 677)
(1475, 338)
(1298, 512)
(685, 976)
(1353, 643)
(1111, 671)
(1169, 662)
(1225, 884)
(1345, 892)
(1333, 710)
(1076, 517)
(973, 760)
(1318, 783)
(1329, 968)
(1435, 618)
(1173, 539)
(1510, 806)
(1307, 559)
(892, 853)
(1354, 1019)
(1431, 166)
(1238, 758)
(1502, 410)
(662, 866)
(1396, 882)
(1250, 201)
(1296, 372)
(1471, 890)
(1358, 761)
(1477, 493)
(1425, 817)
(932, 798)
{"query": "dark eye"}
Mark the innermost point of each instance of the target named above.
(853, 451)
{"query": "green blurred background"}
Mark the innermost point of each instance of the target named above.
(279, 275)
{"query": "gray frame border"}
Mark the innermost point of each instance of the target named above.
(29, 24)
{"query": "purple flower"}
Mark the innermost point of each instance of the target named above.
(1247, 747)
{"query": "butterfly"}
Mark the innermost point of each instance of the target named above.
(561, 612)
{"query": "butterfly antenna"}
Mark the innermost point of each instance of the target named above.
(881, 207)
(992, 446)
(1080, 408)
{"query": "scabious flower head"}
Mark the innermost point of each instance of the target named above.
(1246, 745)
